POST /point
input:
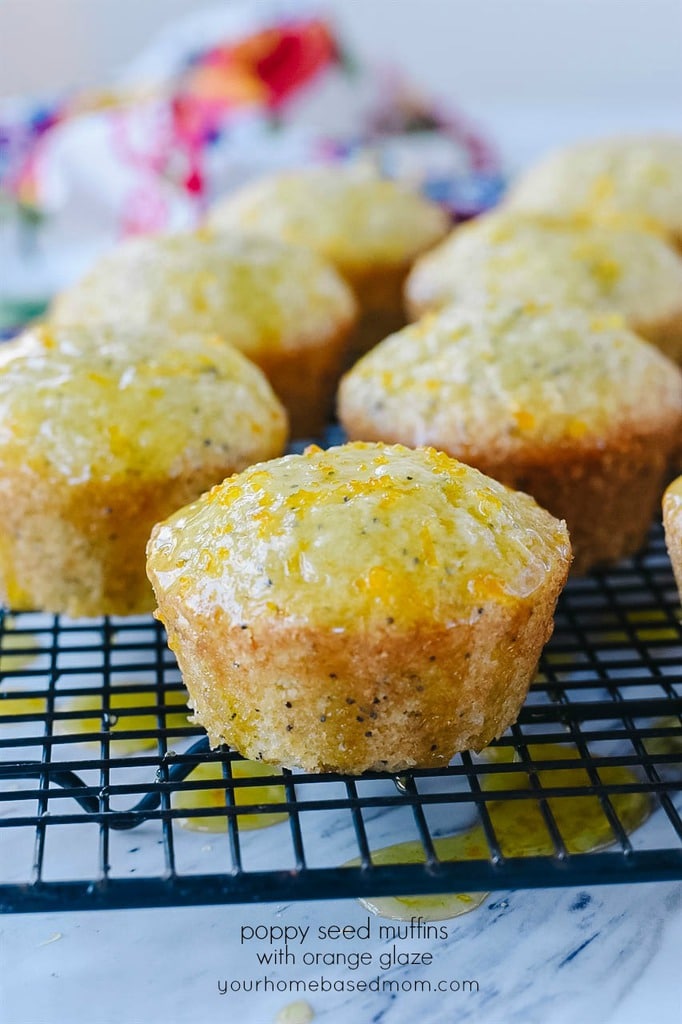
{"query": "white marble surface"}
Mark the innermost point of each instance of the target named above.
(600, 955)
(606, 955)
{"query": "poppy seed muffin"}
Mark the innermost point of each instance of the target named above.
(509, 256)
(370, 228)
(636, 179)
(569, 406)
(672, 524)
(283, 307)
(365, 607)
(102, 433)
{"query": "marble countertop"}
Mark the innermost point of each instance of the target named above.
(603, 955)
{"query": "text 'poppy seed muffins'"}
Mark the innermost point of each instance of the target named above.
(283, 307)
(636, 179)
(362, 607)
(672, 523)
(569, 406)
(505, 255)
(369, 227)
(102, 433)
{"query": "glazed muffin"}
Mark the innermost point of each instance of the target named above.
(365, 607)
(370, 228)
(505, 255)
(672, 523)
(567, 405)
(103, 432)
(283, 307)
(637, 180)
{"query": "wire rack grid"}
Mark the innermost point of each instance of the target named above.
(97, 755)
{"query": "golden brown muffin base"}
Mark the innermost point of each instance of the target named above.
(607, 495)
(379, 291)
(305, 380)
(672, 524)
(386, 699)
(666, 335)
(80, 549)
(608, 498)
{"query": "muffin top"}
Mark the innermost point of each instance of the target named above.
(97, 402)
(639, 178)
(350, 216)
(512, 256)
(261, 295)
(359, 535)
(511, 379)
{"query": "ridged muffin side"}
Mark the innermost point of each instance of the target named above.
(364, 607)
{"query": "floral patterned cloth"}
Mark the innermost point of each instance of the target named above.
(217, 98)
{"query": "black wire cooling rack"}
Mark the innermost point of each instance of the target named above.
(93, 765)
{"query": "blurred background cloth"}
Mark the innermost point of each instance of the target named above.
(213, 100)
(125, 116)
